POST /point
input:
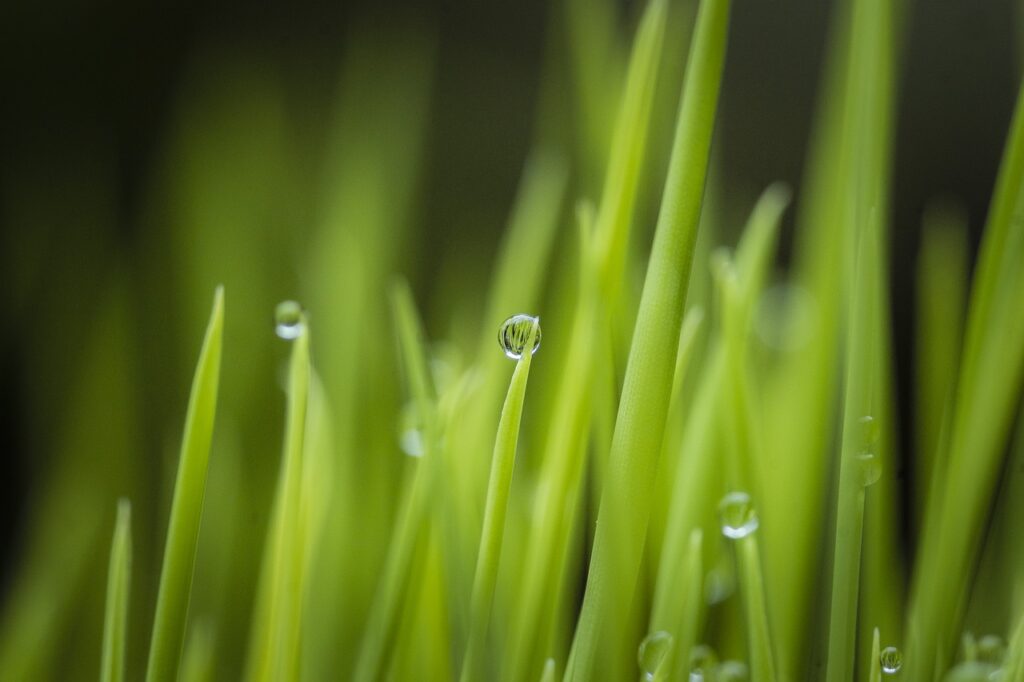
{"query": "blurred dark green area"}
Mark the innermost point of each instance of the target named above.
(110, 110)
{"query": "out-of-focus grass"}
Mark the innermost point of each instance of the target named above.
(383, 542)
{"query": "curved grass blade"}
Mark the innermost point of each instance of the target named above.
(632, 465)
(987, 391)
(494, 514)
(197, 663)
(187, 506)
(382, 626)
(858, 441)
(874, 667)
(119, 578)
(277, 644)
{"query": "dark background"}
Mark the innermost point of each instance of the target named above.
(79, 79)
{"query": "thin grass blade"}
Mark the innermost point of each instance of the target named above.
(187, 506)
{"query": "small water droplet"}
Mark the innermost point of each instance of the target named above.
(731, 671)
(991, 649)
(891, 660)
(870, 468)
(653, 653)
(289, 320)
(410, 435)
(514, 333)
(737, 515)
(702, 663)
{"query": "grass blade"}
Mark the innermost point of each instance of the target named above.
(632, 467)
(186, 509)
(383, 624)
(119, 579)
(494, 514)
(874, 667)
(987, 391)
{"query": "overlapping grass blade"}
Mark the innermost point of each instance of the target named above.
(626, 501)
(186, 509)
(987, 390)
(392, 587)
(119, 580)
(502, 466)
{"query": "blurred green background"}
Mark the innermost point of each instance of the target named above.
(148, 153)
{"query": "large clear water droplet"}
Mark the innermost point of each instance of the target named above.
(737, 515)
(702, 663)
(289, 320)
(891, 660)
(653, 654)
(515, 332)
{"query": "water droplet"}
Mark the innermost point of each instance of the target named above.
(653, 653)
(737, 515)
(867, 434)
(514, 333)
(891, 660)
(731, 671)
(991, 649)
(289, 320)
(702, 663)
(410, 435)
(870, 468)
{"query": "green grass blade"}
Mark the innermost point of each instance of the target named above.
(502, 466)
(281, 659)
(874, 666)
(381, 629)
(187, 506)
(941, 294)
(197, 663)
(548, 674)
(115, 622)
(626, 501)
(858, 439)
(987, 391)
(1013, 666)
(755, 609)
(691, 578)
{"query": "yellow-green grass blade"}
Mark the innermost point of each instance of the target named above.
(622, 178)
(1013, 666)
(755, 609)
(394, 584)
(874, 667)
(691, 611)
(632, 467)
(987, 390)
(503, 463)
(857, 462)
(197, 662)
(561, 478)
(119, 580)
(187, 506)
(941, 294)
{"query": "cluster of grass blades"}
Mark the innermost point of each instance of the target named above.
(701, 483)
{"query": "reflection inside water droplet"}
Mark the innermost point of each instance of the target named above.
(653, 653)
(891, 660)
(737, 515)
(514, 334)
(289, 320)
